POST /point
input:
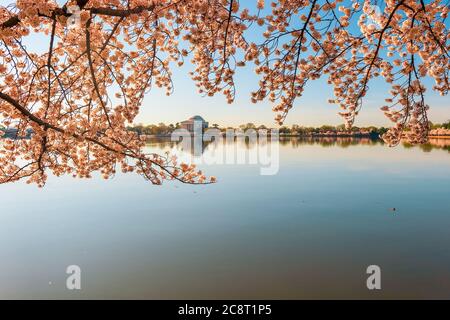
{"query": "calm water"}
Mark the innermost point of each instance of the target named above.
(309, 231)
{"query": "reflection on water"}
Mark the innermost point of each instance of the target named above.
(295, 142)
(433, 143)
(309, 231)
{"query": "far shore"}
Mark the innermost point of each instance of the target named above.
(315, 135)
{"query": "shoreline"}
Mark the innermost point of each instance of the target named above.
(318, 135)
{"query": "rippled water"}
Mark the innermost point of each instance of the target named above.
(310, 231)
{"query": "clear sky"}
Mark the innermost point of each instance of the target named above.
(310, 110)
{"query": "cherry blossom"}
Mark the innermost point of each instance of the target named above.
(79, 96)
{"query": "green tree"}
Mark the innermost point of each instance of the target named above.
(262, 127)
(285, 130)
(326, 128)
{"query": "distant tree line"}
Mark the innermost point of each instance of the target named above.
(445, 125)
(302, 130)
(154, 129)
(163, 129)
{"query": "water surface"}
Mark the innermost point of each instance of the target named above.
(309, 231)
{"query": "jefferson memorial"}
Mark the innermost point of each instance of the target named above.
(197, 120)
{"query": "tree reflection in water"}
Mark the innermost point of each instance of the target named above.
(295, 142)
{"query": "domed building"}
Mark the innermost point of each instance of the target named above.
(194, 123)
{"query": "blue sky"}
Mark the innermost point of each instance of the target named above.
(310, 110)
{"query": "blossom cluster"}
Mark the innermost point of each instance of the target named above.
(79, 95)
